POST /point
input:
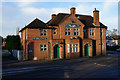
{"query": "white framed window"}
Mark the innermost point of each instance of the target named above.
(43, 47)
(76, 31)
(91, 32)
(68, 48)
(43, 32)
(55, 31)
(74, 48)
(67, 31)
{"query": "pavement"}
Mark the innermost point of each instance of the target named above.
(102, 67)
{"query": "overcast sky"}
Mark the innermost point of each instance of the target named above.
(19, 14)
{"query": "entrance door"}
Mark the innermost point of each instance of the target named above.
(86, 50)
(56, 51)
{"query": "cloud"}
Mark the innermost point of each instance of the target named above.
(60, 10)
(111, 22)
(107, 6)
(24, 3)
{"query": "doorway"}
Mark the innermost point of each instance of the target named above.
(56, 51)
(86, 50)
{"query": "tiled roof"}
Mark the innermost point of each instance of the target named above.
(36, 24)
(58, 19)
(87, 20)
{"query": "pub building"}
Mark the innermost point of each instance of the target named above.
(65, 35)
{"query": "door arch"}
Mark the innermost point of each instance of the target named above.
(56, 51)
(86, 48)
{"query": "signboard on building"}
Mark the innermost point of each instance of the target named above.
(38, 38)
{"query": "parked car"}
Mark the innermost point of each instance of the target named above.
(118, 50)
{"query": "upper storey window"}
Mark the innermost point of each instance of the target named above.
(55, 31)
(43, 32)
(91, 32)
(67, 31)
(76, 31)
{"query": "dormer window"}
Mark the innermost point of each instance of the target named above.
(43, 32)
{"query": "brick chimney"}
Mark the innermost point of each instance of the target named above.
(53, 16)
(72, 10)
(96, 17)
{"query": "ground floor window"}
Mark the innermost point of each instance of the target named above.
(43, 47)
(74, 48)
(68, 48)
(102, 46)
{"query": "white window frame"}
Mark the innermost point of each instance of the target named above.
(43, 32)
(74, 47)
(44, 46)
(92, 32)
(76, 30)
(67, 31)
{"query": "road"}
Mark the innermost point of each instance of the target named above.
(94, 67)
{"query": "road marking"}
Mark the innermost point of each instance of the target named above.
(28, 69)
(102, 65)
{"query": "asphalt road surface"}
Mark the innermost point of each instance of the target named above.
(95, 67)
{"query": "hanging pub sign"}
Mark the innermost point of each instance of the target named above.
(38, 38)
(72, 25)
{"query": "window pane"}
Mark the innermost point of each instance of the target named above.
(41, 49)
(65, 29)
(77, 33)
(54, 29)
(44, 30)
(54, 32)
(41, 34)
(41, 30)
(45, 45)
(45, 49)
(41, 45)
(69, 29)
(65, 33)
(73, 49)
(76, 49)
(44, 33)
(74, 33)
(68, 33)
(76, 44)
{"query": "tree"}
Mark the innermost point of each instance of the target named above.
(13, 42)
(112, 32)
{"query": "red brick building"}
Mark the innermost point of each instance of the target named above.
(64, 36)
